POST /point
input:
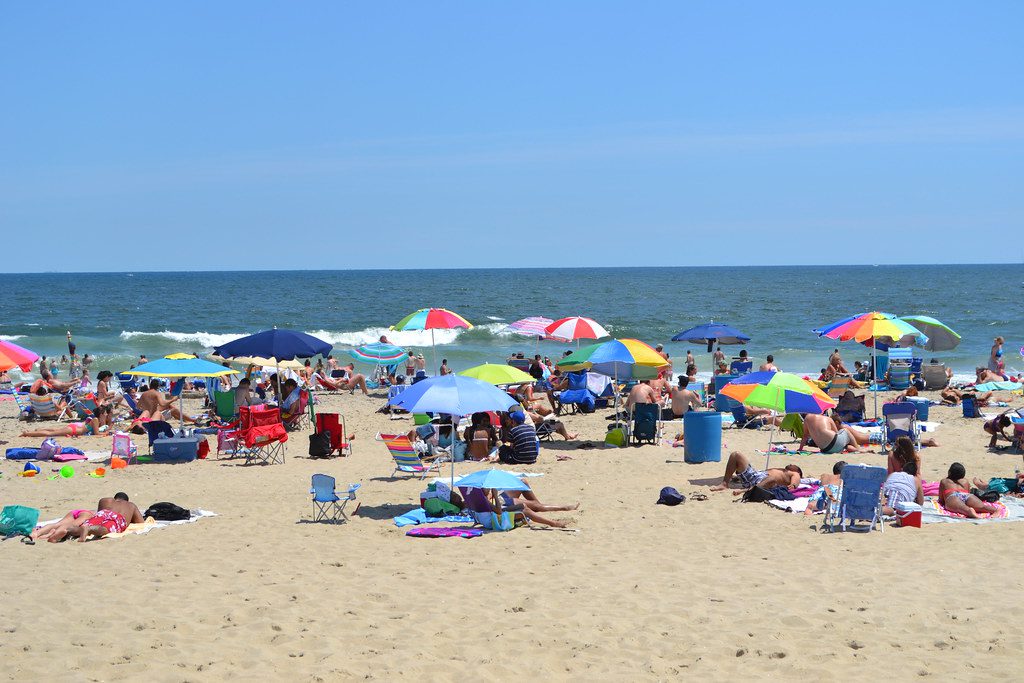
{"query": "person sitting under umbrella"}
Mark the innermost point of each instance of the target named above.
(526, 504)
(522, 445)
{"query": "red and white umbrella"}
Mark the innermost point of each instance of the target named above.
(574, 329)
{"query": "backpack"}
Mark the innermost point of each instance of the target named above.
(756, 494)
(167, 512)
(17, 520)
(48, 449)
(320, 445)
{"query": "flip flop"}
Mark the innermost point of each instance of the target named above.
(697, 495)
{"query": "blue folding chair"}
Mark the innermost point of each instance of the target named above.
(576, 397)
(328, 506)
(127, 381)
(644, 423)
(860, 499)
(741, 367)
(900, 419)
(157, 429)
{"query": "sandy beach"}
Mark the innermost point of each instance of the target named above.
(713, 588)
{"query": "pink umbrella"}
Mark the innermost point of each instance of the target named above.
(535, 327)
(575, 328)
(14, 356)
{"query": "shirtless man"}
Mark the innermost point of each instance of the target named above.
(113, 515)
(738, 465)
(769, 364)
(683, 399)
(689, 359)
(829, 438)
(641, 393)
(718, 356)
(829, 491)
(153, 404)
(951, 396)
(986, 375)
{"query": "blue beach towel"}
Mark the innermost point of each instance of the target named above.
(419, 516)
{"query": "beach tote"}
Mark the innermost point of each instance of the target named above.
(18, 520)
(48, 449)
(320, 445)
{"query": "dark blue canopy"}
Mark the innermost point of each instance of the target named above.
(275, 343)
(712, 333)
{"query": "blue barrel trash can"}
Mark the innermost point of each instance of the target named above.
(702, 436)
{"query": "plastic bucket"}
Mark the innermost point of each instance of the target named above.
(702, 436)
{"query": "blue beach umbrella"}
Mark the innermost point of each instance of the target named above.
(492, 479)
(712, 333)
(455, 395)
(276, 344)
(180, 367)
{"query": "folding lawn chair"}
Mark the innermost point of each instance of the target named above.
(224, 405)
(839, 385)
(157, 429)
(46, 407)
(328, 506)
(860, 499)
(934, 376)
(576, 397)
(900, 419)
(406, 459)
(334, 425)
(263, 435)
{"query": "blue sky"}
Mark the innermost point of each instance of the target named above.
(247, 135)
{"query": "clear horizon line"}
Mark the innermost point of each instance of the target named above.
(398, 269)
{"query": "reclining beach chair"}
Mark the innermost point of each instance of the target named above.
(24, 406)
(263, 435)
(328, 506)
(334, 425)
(479, 508)
(850, 407)
(860, 499)
(644, 423)
(576, 397)
(934, 376)
(127, 381)
(741, 367)
(299, 419)
(46, 407)
(157, 429)
(406, 459)
(224, 405)
(900, 419)
(899, 375)
(839, 385)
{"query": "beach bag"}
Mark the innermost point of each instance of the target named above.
(48, 449)
(204, 448)
(167, 512)
(18, 520)
(757, 494)
(616, 437)
(320, 445)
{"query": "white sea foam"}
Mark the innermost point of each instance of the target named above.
(11, 337)
(494, 317)
(406, 338)
(205, 339)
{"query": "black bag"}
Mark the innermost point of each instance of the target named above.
(167, 512)
(320, 444)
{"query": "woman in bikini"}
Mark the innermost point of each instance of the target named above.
(59, 530)
(481, 439)
(87, 428)
(955, 494)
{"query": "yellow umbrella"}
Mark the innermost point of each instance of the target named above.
(495, 373)
(264, 362)
(180, 356)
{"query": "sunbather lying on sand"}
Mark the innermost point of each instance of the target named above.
(955, 493)
(57, 531)
(738, 465)
(830, 436)
(113, 515)
(88, 428)
(952, 397)
(527, 504)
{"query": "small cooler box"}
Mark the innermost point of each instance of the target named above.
(178, 449)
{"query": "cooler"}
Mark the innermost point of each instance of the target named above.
(178, 449)
(702, 436)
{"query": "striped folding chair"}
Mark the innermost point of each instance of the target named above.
(405, 457)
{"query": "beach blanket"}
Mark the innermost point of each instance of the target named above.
(149, 524)
(1010, 510)
(445, 532)
(419, 516)
(796, 505)
(31, 453)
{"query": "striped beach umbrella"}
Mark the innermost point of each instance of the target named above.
(574, 329)
(379, 353)
(530, 327)
(432, 319)
(14, 356)
(782, 392)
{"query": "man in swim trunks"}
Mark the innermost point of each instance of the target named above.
(155, 406)
(748, 477)
(828, 437)
(113, 515)
(683, 400)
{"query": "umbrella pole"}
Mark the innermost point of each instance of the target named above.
(433, 348)
(454, 432)
(874, 372)
(771, 436)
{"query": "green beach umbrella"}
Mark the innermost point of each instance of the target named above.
(940, 336)
(497, 373)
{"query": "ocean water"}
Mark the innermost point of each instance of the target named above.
(117, 316)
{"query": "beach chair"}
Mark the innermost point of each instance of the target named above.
(520, 363)
(127, 381)
(480, 509)
(644, 423)
(900, 419)
(84, 406)
(576, 397)
(24, 405)
(850, 407)
(742, 421)
(132, 405)
(263, 434)
(121, 446)
(839, 385)
(328, 506)
(224, 405)
(334, 424)
(741, 367)
(47, 407)
(860, 499)
(899, 375)
(934, 376)
(157, 429)
(406, 459)
(298, 419)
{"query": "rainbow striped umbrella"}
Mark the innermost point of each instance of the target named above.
(14, 356)
(574, 329)
(379, 353)
(432, 319)
(782, 392)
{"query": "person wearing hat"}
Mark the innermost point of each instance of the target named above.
(521, 445)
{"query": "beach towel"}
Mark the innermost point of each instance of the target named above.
(419, 516)
(149, 524)
(444, 532)
(796, 505)
(32, 453)
(1010, 510)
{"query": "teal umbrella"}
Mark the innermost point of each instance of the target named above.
(940, 336)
